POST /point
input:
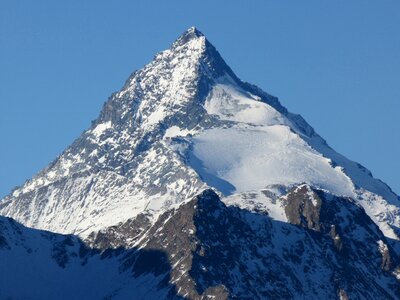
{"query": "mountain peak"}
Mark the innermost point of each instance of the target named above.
(189, 35)
(193, 32)
(212, 62)
(252, 188)
(183, 122)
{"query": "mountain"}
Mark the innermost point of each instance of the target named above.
(204, 249)
(194, 184)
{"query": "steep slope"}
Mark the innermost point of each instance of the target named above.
(328, 249)
(181, 124)
(327, 246)
(40, 265)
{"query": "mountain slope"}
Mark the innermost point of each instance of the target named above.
(183, 123)
(39, 265)
(329, 248)
(194, 184)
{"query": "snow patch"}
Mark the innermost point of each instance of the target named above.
(101, 128)
(382, 247)
(176, 131)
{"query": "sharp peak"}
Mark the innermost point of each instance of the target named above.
(190, 34)
(217, 67)
(193, 31)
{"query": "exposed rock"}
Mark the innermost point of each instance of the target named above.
(343, 295)
(137, 197)
(336, 238)
(302, 207)
(386, 259)
(122, 235)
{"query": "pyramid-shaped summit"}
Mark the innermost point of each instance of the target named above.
(189, 34)
(181, 124)
(193, 184)
(212, 61)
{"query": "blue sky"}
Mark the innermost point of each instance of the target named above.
(337, 63)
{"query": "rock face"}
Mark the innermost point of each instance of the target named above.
(193, 184)
(204, 249)
(303, 208)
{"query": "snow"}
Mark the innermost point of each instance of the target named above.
(170, 77)
(230, 102)
(385, 215)
(101, 128)
(259, 201)
(175, 131)
(249, 148)
(361, 176)
(382, 247)
(310, 194)
(30, 263)
(245, 158)
(156, 117)
(396, 273)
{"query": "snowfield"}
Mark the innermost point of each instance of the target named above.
(230, 102)
(252, 158)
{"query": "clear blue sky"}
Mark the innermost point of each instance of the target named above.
(337, 63)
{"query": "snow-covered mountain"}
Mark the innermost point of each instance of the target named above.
(327, 249)
(143, 177)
